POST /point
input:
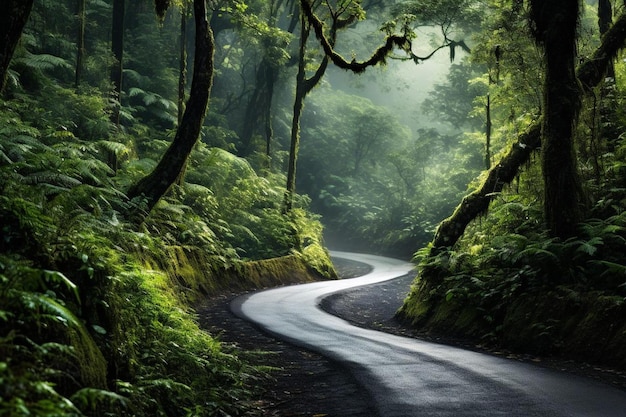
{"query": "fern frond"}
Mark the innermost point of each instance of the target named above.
(150, 98)
(4, 159)
(90, 398)
(56, 277)
(52, 178)
(136, 91)
(534, 252)
(117, 148)
(611, 267)
(45, 61)
(134, 76)
(590, 247)
(244, 232)
(55, 311)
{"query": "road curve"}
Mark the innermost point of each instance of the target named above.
(409, 377)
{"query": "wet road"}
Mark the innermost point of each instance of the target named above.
(409, 377)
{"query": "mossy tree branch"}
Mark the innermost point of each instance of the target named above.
(379, 56)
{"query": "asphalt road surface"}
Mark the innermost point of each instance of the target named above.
(409, 377)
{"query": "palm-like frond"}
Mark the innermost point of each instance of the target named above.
(45, 61)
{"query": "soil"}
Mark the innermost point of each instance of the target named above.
(307, 384)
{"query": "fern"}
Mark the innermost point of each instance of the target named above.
(44, 61)
(91, 399)
(53, 178)
(117, 148)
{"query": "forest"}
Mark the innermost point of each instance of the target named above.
(155, 152)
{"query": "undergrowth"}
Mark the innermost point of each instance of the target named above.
(508, 280)
(95, 313)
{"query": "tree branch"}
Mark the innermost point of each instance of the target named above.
(379, 55)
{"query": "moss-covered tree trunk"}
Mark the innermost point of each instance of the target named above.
(13, 17)
(555, 28)
(298, 105)
(182, 63)
(303, 88)
(428, 292)
(158, 182)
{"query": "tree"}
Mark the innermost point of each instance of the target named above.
(182, 64)
(555, 26)
(589, 74)
(12, 21)
(258, 112)
(80, 41)
(117, 47)
(304, 85)
(158, 182)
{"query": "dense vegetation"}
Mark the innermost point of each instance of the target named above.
(149, 159)
(96, 310)
(524, 274)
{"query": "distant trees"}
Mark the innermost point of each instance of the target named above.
(117, 48)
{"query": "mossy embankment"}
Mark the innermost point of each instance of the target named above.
(528, 292)
(586, 327)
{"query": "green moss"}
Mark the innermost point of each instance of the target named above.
(89, 358)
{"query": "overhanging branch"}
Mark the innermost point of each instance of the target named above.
(392, 41)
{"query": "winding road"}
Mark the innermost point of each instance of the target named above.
(410, 377)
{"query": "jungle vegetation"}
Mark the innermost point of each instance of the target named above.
(156, 152)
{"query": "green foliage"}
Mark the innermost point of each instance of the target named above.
(74, 288)
(47, 349)
(182, 368)
(377, 186)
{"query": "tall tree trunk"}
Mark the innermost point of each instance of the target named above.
(269, 131)
(298, 105)
(12, 21)
(605, 15)
(258, 106)
(80, 41)
(158, 182)
(556, 24)
(303, 88)
(182, 65)
(488, 133)
(117, 48)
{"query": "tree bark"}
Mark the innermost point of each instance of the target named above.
(303, 88)
(297, 113)
(477, 202)
(557, 22)
(80, 41)
(13, 18)
(589, 73)
(182, 64)
(117, 48)
(158, 182)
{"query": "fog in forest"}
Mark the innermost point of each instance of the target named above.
(370, 154)
(401, 85)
